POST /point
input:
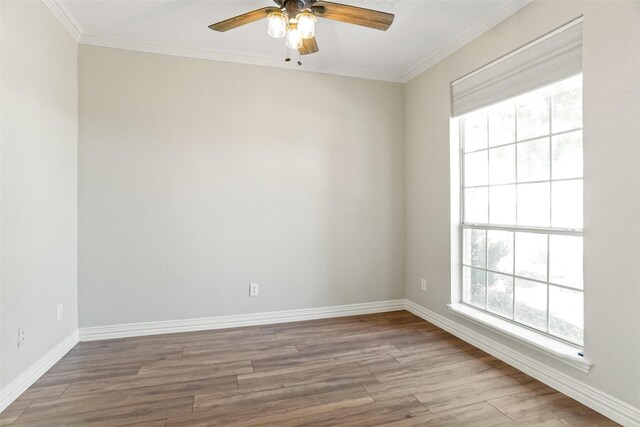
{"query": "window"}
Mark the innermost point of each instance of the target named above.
(521, 209)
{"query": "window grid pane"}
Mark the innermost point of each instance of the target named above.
(522, 222)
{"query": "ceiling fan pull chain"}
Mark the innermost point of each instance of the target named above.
(299, 60)
(287, 58)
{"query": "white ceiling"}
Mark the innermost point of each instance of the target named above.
(423, 32)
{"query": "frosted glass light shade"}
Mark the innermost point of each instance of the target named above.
(277, 25)
(294, 40)
(306, 24)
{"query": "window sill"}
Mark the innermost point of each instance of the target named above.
(559, 350)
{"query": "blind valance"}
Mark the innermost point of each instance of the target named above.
(553, 57)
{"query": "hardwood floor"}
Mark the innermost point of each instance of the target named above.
(383, 369)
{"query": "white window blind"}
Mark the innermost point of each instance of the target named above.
(551, 58)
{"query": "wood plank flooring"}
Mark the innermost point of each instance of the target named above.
(391, 369)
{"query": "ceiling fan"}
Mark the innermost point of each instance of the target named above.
(295, 20)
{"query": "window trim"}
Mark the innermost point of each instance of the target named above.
(563, 351)
(541, 340)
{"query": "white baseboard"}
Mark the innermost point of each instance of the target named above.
(604, 403)
(19, 385)
(233, 321)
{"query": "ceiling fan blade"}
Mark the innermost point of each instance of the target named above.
(309, 46)
(245, 18)
(353, 15)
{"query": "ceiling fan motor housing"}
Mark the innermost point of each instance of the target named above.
(302, 4)
(293, 8)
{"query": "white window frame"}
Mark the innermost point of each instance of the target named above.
(566, 351)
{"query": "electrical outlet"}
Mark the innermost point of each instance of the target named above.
(20, 337)
(59, 312)
(254, 290)
(423, 285)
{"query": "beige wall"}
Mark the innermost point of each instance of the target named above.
(198, 177)
(38, 184)
(611, 185)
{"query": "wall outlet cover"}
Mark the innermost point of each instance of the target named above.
(423, 285)
(20, 337)
(254, 290)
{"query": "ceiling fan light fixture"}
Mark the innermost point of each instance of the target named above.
(295, 20)
(306, 24)
(277, 24)
(294, 39)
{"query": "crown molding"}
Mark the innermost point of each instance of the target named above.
(504, 12)
(66, 18)
(225, 56)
